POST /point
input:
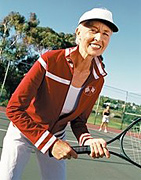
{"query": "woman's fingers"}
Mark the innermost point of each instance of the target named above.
(98, 148)
(62, 150)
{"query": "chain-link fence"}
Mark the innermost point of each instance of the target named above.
(124, 107)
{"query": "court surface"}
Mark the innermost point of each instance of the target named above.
(83, 168)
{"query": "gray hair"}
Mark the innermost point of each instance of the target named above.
(77, 40)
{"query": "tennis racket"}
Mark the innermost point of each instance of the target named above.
(129, 142)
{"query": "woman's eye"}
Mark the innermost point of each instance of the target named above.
(106, 34)
(93, 30)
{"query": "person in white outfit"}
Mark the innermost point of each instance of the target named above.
(105, 119)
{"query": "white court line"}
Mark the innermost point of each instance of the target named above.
(114, 147)
(72, 141)
(2, 112)
(3, 130)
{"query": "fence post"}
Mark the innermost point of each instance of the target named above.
(97, 107)
(124, 109)
(4, 78)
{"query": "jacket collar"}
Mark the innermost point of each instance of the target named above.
(98, 68)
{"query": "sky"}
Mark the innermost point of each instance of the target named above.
(123, 55)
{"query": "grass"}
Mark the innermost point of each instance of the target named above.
(114, 122)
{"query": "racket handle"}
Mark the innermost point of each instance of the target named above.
(78, 150)
(82, 149)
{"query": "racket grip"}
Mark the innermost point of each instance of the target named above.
(82, 149)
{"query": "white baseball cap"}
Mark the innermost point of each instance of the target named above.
(101, 14)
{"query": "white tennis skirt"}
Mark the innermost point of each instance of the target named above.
(105, 118)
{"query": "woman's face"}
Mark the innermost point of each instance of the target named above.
(93, 38)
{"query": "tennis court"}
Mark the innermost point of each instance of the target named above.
(83, 168)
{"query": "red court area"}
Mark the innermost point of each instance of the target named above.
(96, 127)
(3, 109)
(90, 126)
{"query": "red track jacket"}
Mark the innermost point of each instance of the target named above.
(36, 104)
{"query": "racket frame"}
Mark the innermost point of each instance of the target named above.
(120, 137)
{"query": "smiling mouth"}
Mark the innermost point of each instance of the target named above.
(96, 46)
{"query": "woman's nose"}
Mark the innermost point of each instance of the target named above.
(97, 37)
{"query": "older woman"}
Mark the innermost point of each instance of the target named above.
(61, 87)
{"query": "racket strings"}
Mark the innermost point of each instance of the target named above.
(132, 144)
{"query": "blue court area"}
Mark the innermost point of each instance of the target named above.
(83, 168)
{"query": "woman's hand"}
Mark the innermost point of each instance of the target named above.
(98, 148)
(62, 150)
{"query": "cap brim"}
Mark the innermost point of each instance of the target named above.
(112, 26)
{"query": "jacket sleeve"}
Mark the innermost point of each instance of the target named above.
(37, 133)
(79, 127)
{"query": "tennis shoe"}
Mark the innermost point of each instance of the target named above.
(105, 131)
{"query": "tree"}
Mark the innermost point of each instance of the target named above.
(21, 43)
